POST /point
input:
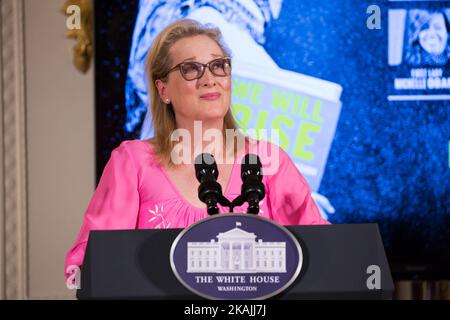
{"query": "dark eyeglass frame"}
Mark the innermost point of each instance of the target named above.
(203, 66)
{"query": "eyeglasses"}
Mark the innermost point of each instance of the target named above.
(195, 70)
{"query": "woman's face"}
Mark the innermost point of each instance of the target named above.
(433, 39)
(206, 98)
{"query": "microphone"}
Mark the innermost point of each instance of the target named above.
(253, 190)
(209, 191)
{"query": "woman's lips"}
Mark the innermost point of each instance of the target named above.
(210, 96)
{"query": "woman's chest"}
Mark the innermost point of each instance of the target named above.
(170, 199)
(186, 184)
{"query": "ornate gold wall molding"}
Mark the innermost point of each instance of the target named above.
(13, 211)
(83, 50)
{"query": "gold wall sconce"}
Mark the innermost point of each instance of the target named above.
(80, 26)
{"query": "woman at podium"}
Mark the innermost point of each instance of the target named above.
(152, 183)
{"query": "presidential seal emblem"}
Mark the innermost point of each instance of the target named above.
(236, 256)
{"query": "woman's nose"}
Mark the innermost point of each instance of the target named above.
(208, 79)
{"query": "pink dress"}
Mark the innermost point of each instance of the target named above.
(135, 192)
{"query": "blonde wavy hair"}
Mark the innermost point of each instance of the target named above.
(158, 64)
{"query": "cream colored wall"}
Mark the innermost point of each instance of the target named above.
(60, 146)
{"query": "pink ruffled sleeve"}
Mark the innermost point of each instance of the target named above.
(290, 196)
(114, 204)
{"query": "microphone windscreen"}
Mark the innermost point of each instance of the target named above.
(251, 164)
(205, 162)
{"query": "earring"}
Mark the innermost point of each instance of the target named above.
(167, 101)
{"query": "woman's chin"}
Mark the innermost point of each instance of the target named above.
(212, 112)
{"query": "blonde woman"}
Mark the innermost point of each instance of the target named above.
(142, 187)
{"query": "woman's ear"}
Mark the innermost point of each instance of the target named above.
(162, 90)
